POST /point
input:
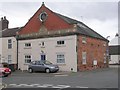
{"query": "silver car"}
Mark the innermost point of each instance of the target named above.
(44, 66)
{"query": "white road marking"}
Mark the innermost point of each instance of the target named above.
(61, 86)
(44, 86)
(80, 87)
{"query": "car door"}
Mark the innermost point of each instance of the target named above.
(40, 66)
(33, 65)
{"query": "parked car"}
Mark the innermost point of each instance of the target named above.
(4, 70)
(44, 66)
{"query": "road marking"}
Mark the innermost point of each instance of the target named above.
(45, 85)
(80, 87)
(61, 86)
(2, 85)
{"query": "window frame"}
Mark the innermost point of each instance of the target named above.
(9, 43)
(26, 59)
(84, 58)
(84, 39)
(28, 45)
(60, 58)
(60, 42)
(9, 59)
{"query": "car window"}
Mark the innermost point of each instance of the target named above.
(47, 62)
(41, 62)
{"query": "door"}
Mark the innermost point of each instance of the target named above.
(43, 57)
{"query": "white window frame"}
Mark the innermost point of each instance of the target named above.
(105, 58)
(84, 40)
(60, 42)
(9, 59)
(60, 58)
(28, 45)
(9, 43)
(26, 58)
(84, 58)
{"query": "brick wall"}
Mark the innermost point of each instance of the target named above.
(95, 49)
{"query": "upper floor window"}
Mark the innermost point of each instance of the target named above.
(84, 61)
(83, 39)
(9, 43)
(60, 42)
(27, 45)
(42, 44)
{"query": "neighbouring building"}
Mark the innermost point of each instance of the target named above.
(114, 50)
(61, 40)
(8, 46)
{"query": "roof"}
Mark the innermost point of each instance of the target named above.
(63, 23)
(114, 50)
(82, 28)
(10, 32)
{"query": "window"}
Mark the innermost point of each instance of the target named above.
(42, 44)
(9, 59)
(27, 59)
(105, 59)
(9, 43)
(60, 42)
(83, 57)
(27, 45)
(43, 57)
(60, 58)
(83, 39)
(0, 58)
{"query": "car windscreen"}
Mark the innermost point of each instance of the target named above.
(47, 62)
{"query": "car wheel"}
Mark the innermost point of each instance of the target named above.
(30, 70)
(6, 75)
(47, 70)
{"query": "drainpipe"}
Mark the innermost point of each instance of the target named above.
(17, 54)
(17, 49)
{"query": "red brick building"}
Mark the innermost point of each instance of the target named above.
(89, 46)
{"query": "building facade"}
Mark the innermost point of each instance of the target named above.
(63, 41)
(114, 51)
(8, 46)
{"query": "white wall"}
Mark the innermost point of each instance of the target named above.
(114, 59)
(50, 49)
(0, 49)
(6, 51)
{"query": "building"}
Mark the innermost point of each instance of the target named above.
(114, 51)
(8, 50)
(64, 41)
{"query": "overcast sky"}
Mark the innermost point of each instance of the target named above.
(100, 16)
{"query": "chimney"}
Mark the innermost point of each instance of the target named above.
(117, 35)
(4, 23)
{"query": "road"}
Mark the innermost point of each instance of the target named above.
(102, 78)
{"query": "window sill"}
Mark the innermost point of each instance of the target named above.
(60, 45)
(27, 47)
(42, 46)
